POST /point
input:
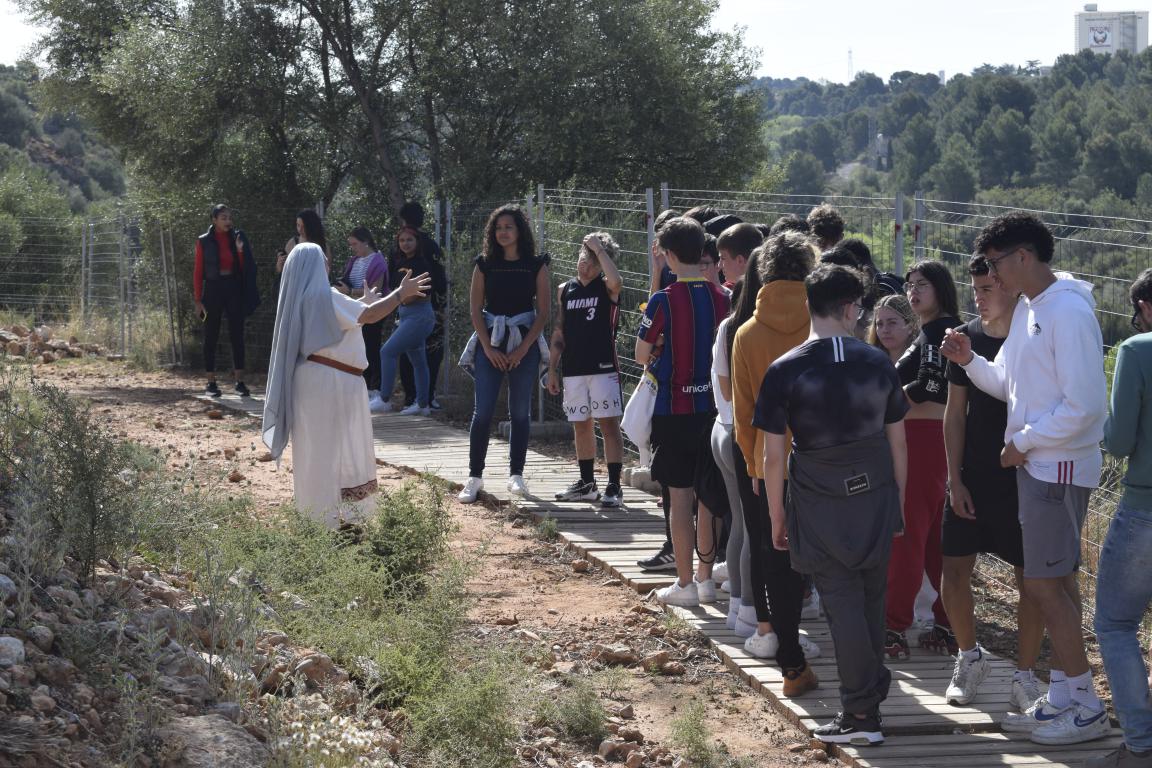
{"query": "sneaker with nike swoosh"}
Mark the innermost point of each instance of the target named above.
(1040, 713)
(1076, 724)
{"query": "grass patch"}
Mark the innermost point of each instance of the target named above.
(689, 733)
(548, 529)
(575, 711)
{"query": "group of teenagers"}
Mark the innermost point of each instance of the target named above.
(857, 439)
(865, 439)
(224, 281)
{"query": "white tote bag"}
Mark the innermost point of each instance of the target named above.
(637, 421)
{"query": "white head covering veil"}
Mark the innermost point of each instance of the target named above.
(305, 323)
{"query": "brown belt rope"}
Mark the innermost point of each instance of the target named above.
(336, 364)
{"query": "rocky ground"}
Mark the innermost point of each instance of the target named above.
(571, 621)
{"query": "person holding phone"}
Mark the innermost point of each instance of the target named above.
(366, 269)
(218, 289)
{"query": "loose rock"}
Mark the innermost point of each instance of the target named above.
(11, 651)
(210, 741)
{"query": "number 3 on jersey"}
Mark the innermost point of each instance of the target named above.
(591, 313)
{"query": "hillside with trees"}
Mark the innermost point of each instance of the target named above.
(1074, 138)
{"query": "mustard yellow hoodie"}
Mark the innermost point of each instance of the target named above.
(781, 322)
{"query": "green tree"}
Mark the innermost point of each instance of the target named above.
(804, 175)
(914, 153)
(1004, 147)
(954, 177)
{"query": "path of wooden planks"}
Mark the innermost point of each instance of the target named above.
(922, 729)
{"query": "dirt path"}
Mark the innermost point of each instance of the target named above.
(526, 590)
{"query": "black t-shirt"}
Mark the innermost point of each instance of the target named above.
(510, 286)
(590, 318)
(987, 417)
(830, 392)
(418, 265)
(922, 366)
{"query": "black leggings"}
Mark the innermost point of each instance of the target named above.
(224, 296)
(777, 590)
(372, 333)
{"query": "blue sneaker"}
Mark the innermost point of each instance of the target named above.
(1077, 724)
(1040, 713)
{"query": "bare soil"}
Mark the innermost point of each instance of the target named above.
(526, 590)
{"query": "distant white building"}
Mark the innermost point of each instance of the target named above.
(1111, 31)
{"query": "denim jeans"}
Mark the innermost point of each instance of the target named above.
(416, 322)
(521, 380)
(1123, 592)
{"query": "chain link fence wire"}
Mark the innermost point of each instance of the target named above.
(1107, 251)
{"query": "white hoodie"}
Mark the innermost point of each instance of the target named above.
(1051, 373)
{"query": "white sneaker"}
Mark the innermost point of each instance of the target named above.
(675, 594)
(720, 572)
(379, 406)
(1076, 724)
(733, 614)
(808, 645)
(762, 646)
(966, 678)
(811, 609)
(1025, 692)
(745, 621)
(416, 410)
(470, 491)
(517, 486)
(725, 586)
(705, 590)
(373, 394)
(1040, 713)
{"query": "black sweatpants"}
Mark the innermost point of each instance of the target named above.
(777, 590)
(224, 296)
(372, 333)
(853, 601)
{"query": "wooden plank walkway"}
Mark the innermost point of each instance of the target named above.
(921, 727)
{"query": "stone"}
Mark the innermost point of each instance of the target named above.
(229, 710)
(624, 712)
(611, 583)
(22, 675)
(817, 755)
(209, 741)
(634, 760)
(616, 654)
(608, 748)
(15, 349)
(83, 694)
(581, 565)
(57, 672)
(194, 689)
(48, 357)
(673, 669)
(7, 589)
(656, 660)
(318, 668)
(629, 733)
(797, 747)
(626, 749)
(42, 702)
(42, 636)
(11, 651)
(235, 476)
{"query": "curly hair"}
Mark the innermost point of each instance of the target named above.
(826, 225)
(1016, 229)
(525, 240)
(901, 306)
(610, 246)
(787, 256)
(789, 223)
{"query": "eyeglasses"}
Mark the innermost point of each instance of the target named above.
(994, 263)
(917, 286)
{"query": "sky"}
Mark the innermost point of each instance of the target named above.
(812, 39)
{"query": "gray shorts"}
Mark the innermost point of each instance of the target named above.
(1051, 519)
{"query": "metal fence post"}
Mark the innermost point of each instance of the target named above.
(446, 386)
(122, 292)
(663, 196)
(168, 295)
(91, 228)
(176, 296)
(650, 221)
(918, 216)
(898, 250)
(84, 273)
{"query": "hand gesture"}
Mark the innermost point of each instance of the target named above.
(957, 347)
(370, 294)
(412, 287)
(657, 256)
(553, 382)
(961, 501)
(593, 244)
(515, 356)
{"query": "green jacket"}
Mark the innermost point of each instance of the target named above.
(1128, 431)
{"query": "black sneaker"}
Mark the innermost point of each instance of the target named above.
(213, 389)
(613, 496)
(849, 729)
(939, 640)
(664, 560)
(580, 491)
(242, 389)
(896, 645)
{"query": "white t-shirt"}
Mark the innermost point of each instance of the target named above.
(721, 367)
(350, 349)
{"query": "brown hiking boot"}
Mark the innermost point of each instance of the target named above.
(799, 680)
